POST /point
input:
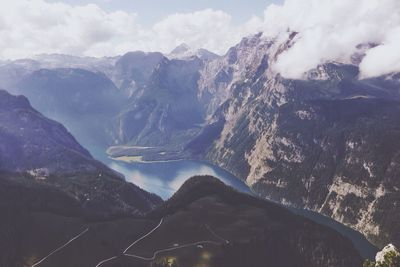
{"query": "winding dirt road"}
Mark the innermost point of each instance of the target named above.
(60, 248)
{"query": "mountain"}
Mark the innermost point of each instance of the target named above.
(241, 61)
(180, 49)
(164, 108)
(68, 94)
(168, 111)
(133, 70)
(40, 153)
(129, 72)
(13, 71)
(59, 61)
(45, 175)
(136, 98)
(30, 141)
(50, 185)
(325, 143)
(183, 51)
(258, 233)
(56, 203)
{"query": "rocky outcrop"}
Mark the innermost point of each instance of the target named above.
(389, 256)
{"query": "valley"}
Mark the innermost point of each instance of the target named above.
(165, 178)
(72, 210)
(190, 158)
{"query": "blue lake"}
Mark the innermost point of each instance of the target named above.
(165, 178)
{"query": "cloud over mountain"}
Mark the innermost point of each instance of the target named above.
(328, 31)
(331, 31)
(34, 27)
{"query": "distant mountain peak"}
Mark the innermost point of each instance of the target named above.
(184, 51)
(180, 49)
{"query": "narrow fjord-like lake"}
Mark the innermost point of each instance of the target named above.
(165, 178)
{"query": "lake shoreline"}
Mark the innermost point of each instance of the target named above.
(363, 246)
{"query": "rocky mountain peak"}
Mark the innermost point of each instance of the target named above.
(180, 49)
(184, 51)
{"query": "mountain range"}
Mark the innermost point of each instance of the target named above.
(327, 142)
(52, 190)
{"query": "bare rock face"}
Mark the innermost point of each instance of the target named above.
(338, 157)
(168, 111)
(133, 70)
(327, 143)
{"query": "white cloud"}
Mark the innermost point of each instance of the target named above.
(207, 28)
(384, 58)
(30, 27)
(330, 31)
(33, 27)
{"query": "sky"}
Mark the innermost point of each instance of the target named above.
(152, 11)
(329, 30)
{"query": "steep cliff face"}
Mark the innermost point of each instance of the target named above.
(133, 70)
(327, 143)
(338, 157)
(168, 111)
(244, 61)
